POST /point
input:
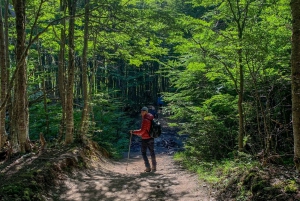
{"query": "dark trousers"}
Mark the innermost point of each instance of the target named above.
(148, 143)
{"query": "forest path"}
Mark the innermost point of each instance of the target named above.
(125, 180)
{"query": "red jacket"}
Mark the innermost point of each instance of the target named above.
(146, 123)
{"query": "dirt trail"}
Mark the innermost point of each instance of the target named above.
(125, 179)
(114, 182)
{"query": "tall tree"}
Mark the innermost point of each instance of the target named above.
(85, 85)
(20, 95)
(62, 69)
(230, 20)
(71, 75)
(295, 65)
(7, 55)
(239, 16)
(3, 72)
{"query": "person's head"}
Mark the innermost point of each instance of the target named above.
(144, 111)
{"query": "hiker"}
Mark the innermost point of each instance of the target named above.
(160, 102)
(151, 109)
(147, 141)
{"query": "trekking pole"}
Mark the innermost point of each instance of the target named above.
(129, 150)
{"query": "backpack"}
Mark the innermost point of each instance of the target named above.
(155, 128)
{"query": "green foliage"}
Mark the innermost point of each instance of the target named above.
(226, 39)
(21, 190)
(38, 120)
(111, 126)
(216, 172)
(202, 112)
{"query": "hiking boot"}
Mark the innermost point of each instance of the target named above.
(154, 169)
(148, 169)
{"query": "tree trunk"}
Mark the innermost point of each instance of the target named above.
(240, 17)
(71, 75)
(93, 81)
(21, 89)
(3, 71)
(61, 74)
(295, 60)
(85, 85)
(240, 103)
(44, 89)
(7, 61)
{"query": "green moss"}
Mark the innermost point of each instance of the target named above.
(291, 187)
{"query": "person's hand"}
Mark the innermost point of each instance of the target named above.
(131, 131)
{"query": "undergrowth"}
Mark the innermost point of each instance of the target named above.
(244, 178)
(215, 172)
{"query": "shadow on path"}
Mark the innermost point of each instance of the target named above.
(114, 183)
(125, 179)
